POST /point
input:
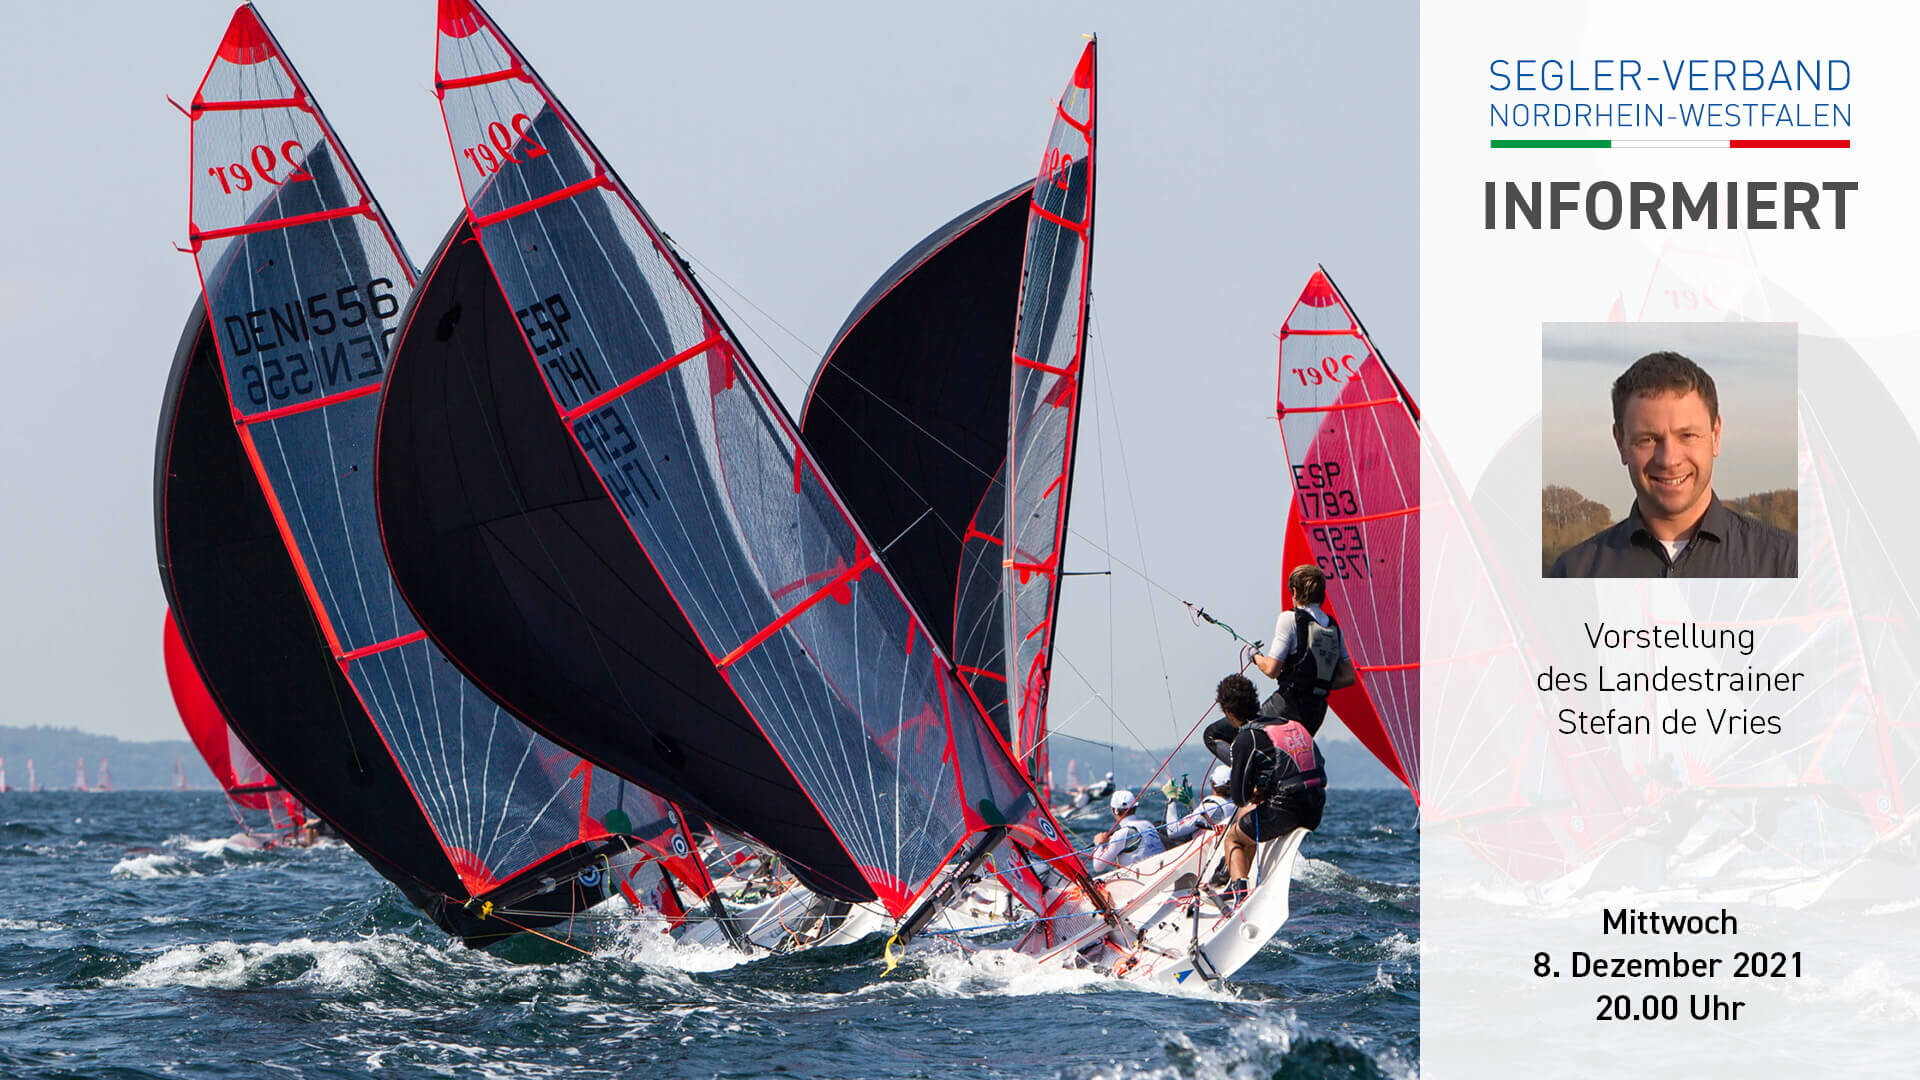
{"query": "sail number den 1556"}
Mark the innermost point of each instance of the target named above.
(262, 342)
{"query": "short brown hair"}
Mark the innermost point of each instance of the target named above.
(1307, 584)
(1237, 697)
(1663, 373)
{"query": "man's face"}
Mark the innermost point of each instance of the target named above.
(1668, 443)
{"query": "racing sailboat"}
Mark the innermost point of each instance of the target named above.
(268, 547)
(624, 500)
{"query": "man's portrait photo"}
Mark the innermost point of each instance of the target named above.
(1702, 419)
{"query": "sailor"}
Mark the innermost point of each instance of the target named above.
(1308, 654)
(1131, 839)
(1100, 789)
(1215, 810)
(1278, 780)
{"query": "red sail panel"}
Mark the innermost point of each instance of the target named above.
(1353, 448)
(1352, 704)
(770, 573)
(304, 282)
(1048, 350)
(233, 767)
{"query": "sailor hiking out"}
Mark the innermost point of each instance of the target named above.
(1278, 779)
(1307, 656)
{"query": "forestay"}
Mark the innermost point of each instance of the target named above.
(784, 595)
(1353, 449)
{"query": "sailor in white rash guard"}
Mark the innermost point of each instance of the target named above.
(1131, 839)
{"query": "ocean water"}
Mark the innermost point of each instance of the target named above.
(136, 942)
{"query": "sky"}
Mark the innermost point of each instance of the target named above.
(793, 152)
(1755, 375)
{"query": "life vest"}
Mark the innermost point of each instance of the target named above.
(1130, 841)
(1316, 653)
(1288, 764)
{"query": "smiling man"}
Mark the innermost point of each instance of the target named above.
(1666, 425)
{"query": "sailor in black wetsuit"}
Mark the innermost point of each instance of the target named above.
(1279, 779)
(1308, 655)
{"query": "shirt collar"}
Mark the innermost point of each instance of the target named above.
(1714, 523)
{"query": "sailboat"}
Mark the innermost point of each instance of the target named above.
(269, 552)
(33, 782)
(597, 508)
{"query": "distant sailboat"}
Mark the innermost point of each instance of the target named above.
(3, 775)
(80, 774)
(33, 782)
(104, 780)
(179, 775)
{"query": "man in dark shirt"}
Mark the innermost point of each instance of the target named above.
(1666, 425)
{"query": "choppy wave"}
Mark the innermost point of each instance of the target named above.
(216, 958)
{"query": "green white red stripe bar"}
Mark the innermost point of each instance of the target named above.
(1671, 144)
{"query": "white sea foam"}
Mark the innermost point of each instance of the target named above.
(1400, 947)
(155, 865)
(239, 844)
(229, 965)
(33, 926)
(641, 941)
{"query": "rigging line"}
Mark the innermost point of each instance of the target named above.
(1111, 713)
(1106, 523)
(852, 428)
(890, 407)
(1126, 479)
(930, 437)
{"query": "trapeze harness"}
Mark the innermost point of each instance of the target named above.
(1288, 766)
(1308, 673)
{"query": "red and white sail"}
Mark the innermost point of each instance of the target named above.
(1353, 453)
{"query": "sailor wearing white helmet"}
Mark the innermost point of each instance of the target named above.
(1130, 840)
